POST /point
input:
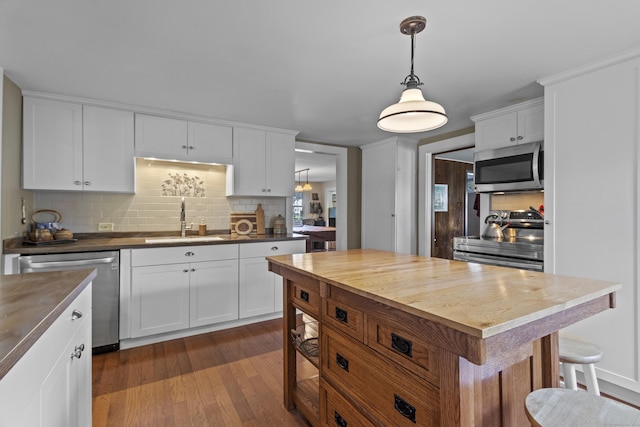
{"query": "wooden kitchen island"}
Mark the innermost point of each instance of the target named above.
(407, 340)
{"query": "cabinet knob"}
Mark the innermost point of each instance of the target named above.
(519, 138)
(76, 314)
(184, 147)
(193, 269)
(186, 270)
(77, 352)
(77, 182)
(191, 147)
(268, 190)
(87, 183)
(512, 139)
(274, 248)
(189, 254)
(547, 222)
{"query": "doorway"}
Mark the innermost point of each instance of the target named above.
(452, 213)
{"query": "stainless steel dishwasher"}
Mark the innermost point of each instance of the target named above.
(106, 289)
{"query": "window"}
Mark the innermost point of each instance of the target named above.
(297, 209)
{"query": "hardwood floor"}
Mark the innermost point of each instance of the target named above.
(224, 378)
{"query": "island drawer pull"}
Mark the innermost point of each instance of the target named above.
(401, 345)
(405, 409)
(304, 296)
(76, 314)
(342, 362)
(340, 422)
(341, 315)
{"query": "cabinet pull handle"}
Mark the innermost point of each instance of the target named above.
(189, 254)
(405, 409)
(304, 296)
(274, 248)
(340, 422)
(342, 362)
(77, 352)
(341, 315)
(401, 345)
(76, 314)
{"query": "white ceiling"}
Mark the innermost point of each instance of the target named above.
(326, 68)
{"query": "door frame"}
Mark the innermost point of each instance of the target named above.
(341, 187)
(426, 153)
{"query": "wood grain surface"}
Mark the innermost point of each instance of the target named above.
(477, 300)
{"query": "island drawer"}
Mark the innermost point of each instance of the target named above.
(341, 311)
(389, 392)
(335, 410)
(306, 296)
(402, 342)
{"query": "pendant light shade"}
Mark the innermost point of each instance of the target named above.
(307, 187)
(298, 188)
(412, 113)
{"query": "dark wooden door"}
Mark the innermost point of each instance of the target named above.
(450, 224)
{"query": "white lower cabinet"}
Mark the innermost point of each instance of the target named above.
(168, 294)
(260, 289)
(51, 384)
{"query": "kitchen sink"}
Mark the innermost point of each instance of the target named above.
(176, 239)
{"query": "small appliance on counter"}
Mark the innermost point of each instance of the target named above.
(279, 225)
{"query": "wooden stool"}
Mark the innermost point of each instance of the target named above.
(574, 351)
(552, 407)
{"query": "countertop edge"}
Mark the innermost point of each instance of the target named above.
(20, 349)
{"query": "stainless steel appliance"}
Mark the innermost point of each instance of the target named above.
(521, 247)
(515, 168)
(106, 289)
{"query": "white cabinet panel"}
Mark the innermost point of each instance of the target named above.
(68, 146)
(591, 163)
(257, 288)
(176, 139)
(263, 164)
(52, 144)
(159, 299)
(213, 292)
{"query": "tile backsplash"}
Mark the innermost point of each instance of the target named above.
(149, 209)
(515, 201)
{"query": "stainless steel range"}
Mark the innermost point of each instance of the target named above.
(518, 241)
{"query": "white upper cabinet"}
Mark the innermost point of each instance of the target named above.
(517, 124)
(263, 163)
(68, 146)
(175, 139)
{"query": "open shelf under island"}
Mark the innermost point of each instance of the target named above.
(410, 340)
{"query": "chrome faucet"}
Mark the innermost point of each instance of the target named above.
(183, 223)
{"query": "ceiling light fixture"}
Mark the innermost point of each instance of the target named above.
(412, 113)
(298, 188)
(307, 187)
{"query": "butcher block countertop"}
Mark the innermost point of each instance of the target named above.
(88, 242)
(29, 304)
(477, 300)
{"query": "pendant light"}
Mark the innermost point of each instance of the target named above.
(298, 188)
(412, 113)
(307, 187)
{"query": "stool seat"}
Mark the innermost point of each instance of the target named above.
(575, 351)
(552, 407)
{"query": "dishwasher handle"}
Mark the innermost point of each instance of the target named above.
(76, 263)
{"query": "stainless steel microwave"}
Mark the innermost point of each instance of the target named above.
(514, 168)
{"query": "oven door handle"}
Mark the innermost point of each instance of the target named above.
(497, 261)
(76, 263)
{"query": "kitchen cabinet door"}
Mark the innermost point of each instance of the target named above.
(159, 299)
(213, 292)
(263, 164)
(108, 162)
(257, 288)
(160, 137)
(210, 143)
(517, 124)
(52, 144)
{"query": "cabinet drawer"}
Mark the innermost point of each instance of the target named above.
(277, 247)
(340, 310)
(403, 343)
(335, 410)
(306, 296)
(181, 254)
(390, 393)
